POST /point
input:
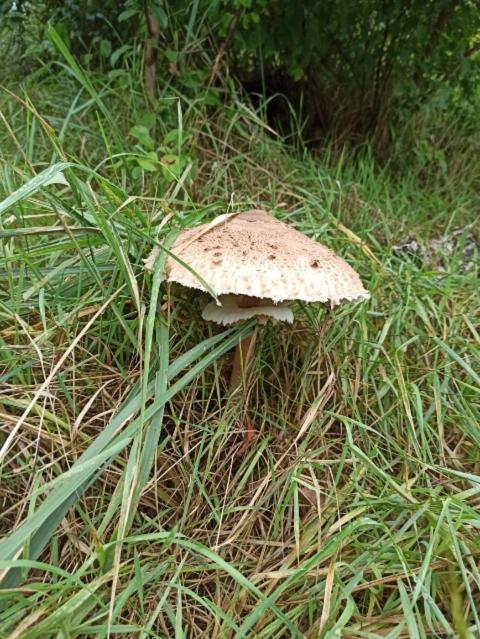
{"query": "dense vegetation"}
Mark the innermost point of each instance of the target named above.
(130, 505)
(348, 69)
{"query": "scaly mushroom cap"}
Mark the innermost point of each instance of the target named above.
(257, 255)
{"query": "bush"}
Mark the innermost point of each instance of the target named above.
(356, 63)
(347, 67)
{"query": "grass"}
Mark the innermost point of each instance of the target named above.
(129, 508)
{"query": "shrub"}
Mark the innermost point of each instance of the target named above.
(348, 67)
(356, 63)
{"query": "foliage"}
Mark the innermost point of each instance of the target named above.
(356, 61)
(125, 484)
(346, 67)
(130, 505)
(81, 23)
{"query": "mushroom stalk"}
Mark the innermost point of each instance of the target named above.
(245, 348)
(242, 358)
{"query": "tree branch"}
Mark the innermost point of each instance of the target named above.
(225, 44)
(151, 52)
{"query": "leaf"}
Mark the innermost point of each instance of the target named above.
(160, 16)
(152, 435)
(460, 361)
(337, 631)
(142, 134)
(59, 178)
(146, 164)
(46, 177)
(116, 55)
(127, 14)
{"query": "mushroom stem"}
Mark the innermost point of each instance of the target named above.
(242, 358)
(245, 348)
(241, 363)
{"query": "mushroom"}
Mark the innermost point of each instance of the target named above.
(255, 264)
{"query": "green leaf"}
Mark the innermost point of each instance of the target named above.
(52, 175)
(128, 13)
(142, 134)
(147, 164)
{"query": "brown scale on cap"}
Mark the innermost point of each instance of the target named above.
(255, 255)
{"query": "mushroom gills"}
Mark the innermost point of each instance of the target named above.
(233, 310)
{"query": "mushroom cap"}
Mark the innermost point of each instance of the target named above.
(257, 255)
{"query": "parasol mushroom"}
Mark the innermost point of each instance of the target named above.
(255, 264)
